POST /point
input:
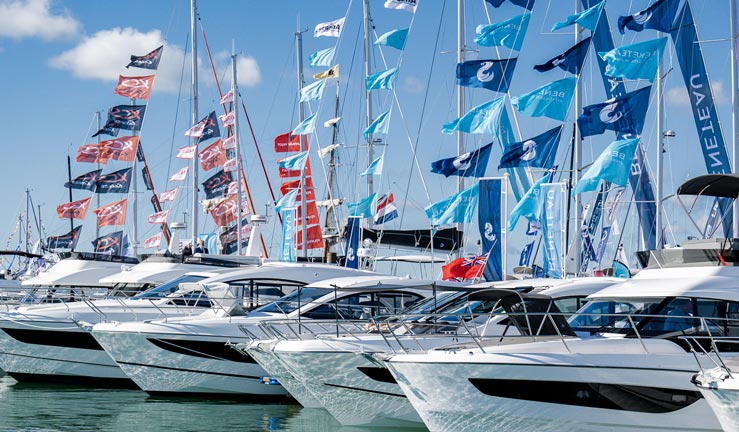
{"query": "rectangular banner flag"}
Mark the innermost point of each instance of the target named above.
(485, 118)
(332, 72)
(490, 224)
(385, 210)
(287, 143)
(231, 165)
(153, 241)
(107, 130)
(90, 153)
(394, 38)
(121, 149)
(217, 184)
(322, 58)
(115, 182)
(331, 28)
(659, 16)
(73, 210)
(509, 33)
(493, 75)
(406, 5)
(227, 98)
(570, 60)
(148, 61)
(138, 87)
(528, 4)
(229, 239)
(623, 114)
(225, 212)
(180, 175)
(112, 214)
(458, 208)
(382, 80)
(205, 129)
(526, 254)
(229, 143)
(159, 217)
(111, 244)
(539, 151)
(85, 181)
(64, 241)
(169, 195)
(227, 119)
(128, 117)
(212, 156)
(553, 228)
(470, 164)
(353, 228)
(186, 152)
(550, 100)
(635, 61)
(287, 248)
(315, 237)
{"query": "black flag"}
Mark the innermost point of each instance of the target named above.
(85, 181)
(109, 244)
(148, 61)
(129, 117)
(210, 127)
(65, 241)
(115, 182)
(217, 185)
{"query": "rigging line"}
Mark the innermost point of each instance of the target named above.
(169, 25)
(176, 112)
(622, 230)
(423, 112)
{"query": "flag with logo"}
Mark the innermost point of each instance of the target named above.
(111, 244)
(217, 184)
(179, 175)
(490, 225)
(225, 212)
(148, 61)
(121, 149)
(509, 33)
(528, 4)
(64, 241)
(85, 181)
(493, 75)
(361, 208)
(186, 152)
(551, 100)
(322, 58)
(624, 114)
(128, 117)
(332, 72)
(470, 164)
(621, 264)
(635, 61)
(312, 91)
(382, 80)
(115, 182)
(212, 156)
(287, 244)
(385, 210)
(374, 168)
(659, 16)
(587, 18)
(112, 214)
(287, 143)
(227, 98)
(539, 151)
(205, 129)
(90, 153)
(553, 228)
(529, 206)
(394, 38)
(168, 195)
(379, 125)
(406, 5)
(353, 227)
(107, 129)
(73, 210)
(570, 60)
(153, 241)
(467, 268)
(296, 162)
(306, 127)
(231, 165)
(485, 118)
(138, 87)
(159, 217)
(331, 28)
(612, 165)
(458, 208)
(228, 119)
(229, 143)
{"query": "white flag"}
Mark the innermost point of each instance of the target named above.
(159, 217)
(169, 195)
(406, 5)
(229, 143)
(331, 28)
(230, 165)
(179, 175)
(227, 119)
(196, 131)
(227, 98)
(153, 241)
(186, 152)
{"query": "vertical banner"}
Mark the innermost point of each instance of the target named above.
(638, 177)
(553, 228)
(490, 224)
(352, 241)
(588, 252)
(287, 250)
(702, 103)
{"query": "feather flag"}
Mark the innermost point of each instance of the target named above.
(148, 61)
(375, 168)
(482, 119)
(168, 195)
(333, 72)
(186, 152)
(179, 175)
(312, 91)
(295, 162)
(470, 164)
(138, 87)
(570, 60)
(361, 208)
(635, 61)
(379, 125)
(322, 58)
(509, 33)
(406, 5)
(306, 127)
(587, 18)
(73, 210)
(659, 16)
(612, 165)
(394, 38)
(551, 100)
(112, 214)
(382, 80)
(458, 208)
(385, 210)
(331, 28)
(159, 217)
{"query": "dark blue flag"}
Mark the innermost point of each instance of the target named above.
(493, 75)
(217, 184)
(570, 60)
(129, 117)
(64, 241)
(140, 153)
(490, 225)
(144, 172)
(85, 181)
(109, 129)
(623, 114)
(229, 239)
(470, 164)
(111, 244)
(148, 61)
(658, 16)
(353, 227)
(210, 127)
(526, 253)
(528, 4)
(538, 151)
(115, 182)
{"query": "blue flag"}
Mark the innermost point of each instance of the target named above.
(612, 165)
(538, 151)
(551, 100)
(482, 119)
(509, 33)
(64, 241)
(374, 168)
(526, 253)
(635, 61)
(528, 4)
(490, 224)
(312, 91)
(458, 208)
(382, 80)
(553, 227)
(85, 181)
(658, 16)
(287, 201)
(470, 164)
(394, 38)
(295, 162)
(322, 58)
(570, 60)
(115, 182)
(624, 114)
(353, 225)
(529, 206)
(361, 208)
(129, 117)
(493, 75)
(379, 125)
(306, 127)
(587, 18)
(110, 244)
(287, 245)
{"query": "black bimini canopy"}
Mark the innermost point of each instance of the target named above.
(715, 185)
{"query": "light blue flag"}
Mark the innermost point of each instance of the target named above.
(458, 208)
(362, 208)
(379, 125)
(382, 80)
(322, 58)
(287, 201)
(529, 206)
(554, 197)
(306, 127)
(312, 91)
(612, 165)
(635, 61)
(287, 245)
(393, 38)
(587, 18)
(375, 168)
(482, 119)
(551, 100)
(509, 33)
(295, 162)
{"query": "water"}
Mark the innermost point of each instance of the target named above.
(41, 408)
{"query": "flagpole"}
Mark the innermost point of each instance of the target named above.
(660, 149)
(460, 92)
(503, 225)
(239, 178)
(134, 202)
(98, 114)
(734, 105)
(194, 119)
(301, 117)
(368, 93)
(577, 153)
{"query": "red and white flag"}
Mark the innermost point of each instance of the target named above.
(169, 195)
(186, 152)
(90, 153)
(230, 165)
(179, 175)
(225, 212)
(74, 209)
(153, 241)
(122, 149)
(138, 87)
(227, 119)
(287, 143)
(159, 217)
(229, 143)
(234, 186)
(196, 131)
(112, 214)
(227, 98)
(212, 156)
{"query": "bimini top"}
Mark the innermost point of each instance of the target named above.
(715, 185)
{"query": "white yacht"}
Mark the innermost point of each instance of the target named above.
(49, 342)
(345, 376)
(720, 387)
(193, 356)
(621, 363)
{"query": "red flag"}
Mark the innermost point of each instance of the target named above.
(295, 184)
(90, 153)
(287, 143)
(212, 156)
(138, 87)
(465, 268)
(153, 241)
(311, 216)
(74, 209)
(315, 237)
(122, 149)
(159, 217)
(186, 152)
(112, 214)
(225, 212)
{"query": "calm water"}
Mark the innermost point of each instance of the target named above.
(37, 408)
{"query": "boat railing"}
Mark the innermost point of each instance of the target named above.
(711, 351)
(304, 329)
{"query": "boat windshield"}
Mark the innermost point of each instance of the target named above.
(294, 300)
(431, 304)
(610, 315)
(167, 288)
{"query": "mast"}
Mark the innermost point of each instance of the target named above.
(69, 178)
(660, 149)
(304, 147)
(98, 115)
(368, 93)
(734, 105)
(134, 202)
(460, 89)
(328, 224)
(577, 152)
(28, 220)
(239, 178)
(194, 118)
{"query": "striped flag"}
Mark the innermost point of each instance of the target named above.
(386, 210)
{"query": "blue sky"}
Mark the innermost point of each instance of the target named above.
(62, 59)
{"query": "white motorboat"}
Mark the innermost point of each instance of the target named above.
(193, 356)
(720, 387)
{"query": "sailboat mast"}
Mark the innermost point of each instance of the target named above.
(28, 221)
(328, 224)
(239, 178)
(98, 115)
(303, 141)
(69, 178)
(660, 149)
(194, 118)
(577, 152)
(734, 105)
(460, 89)
(135, 202)
(367, 72)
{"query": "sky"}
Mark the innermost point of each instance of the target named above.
(62, 60)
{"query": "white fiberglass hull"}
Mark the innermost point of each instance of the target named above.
(722, 393)
(549, 389)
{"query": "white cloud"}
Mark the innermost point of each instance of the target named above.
(411, 84)
(678, 96)
(247, 71)
(33, 18)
